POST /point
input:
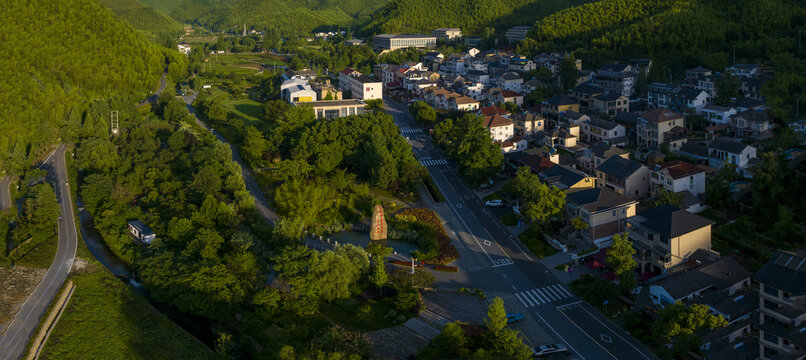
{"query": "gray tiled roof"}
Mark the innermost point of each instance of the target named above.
(597, 199)
(619, 167)
(720, 275)
(727, 145)
(670, 221)
(785, 271)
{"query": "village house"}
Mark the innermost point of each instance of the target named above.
(564, 137)
(510, 81)
(723, 276)
(726, 151)
(782, 305)
(753, 123)
(528, 123)
(597, 130)
(566, 178)
(716, 115)
(627, 177)
(676, 98)
(463, 103)
(603, 210)
(678, 176)
(326, 91)
(141, 232)
(507, 96)
(616, 78)
(666, 236)
(653, 125)
(593, 156)
(611, 103)
(501, 129)
(556, 105)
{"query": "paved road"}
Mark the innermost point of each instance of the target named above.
(5, 193)
(14, 339)
(508, 269)
(261, 203)
(153, 98)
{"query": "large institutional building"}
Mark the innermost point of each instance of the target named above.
(394, 42)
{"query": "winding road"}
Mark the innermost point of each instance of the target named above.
(15, 337)
(5, 193)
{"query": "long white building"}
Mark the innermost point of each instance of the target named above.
(395, 41)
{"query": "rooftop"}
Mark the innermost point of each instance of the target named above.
(619, 167)
(562, 177)
(670, 221)
(679, 169)
(598, 199)
(560, 100)
(660, 115)
(720, 275)
(785, 271)
(496, 120)
(728, 145)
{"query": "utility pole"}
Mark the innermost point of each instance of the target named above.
(114, 122)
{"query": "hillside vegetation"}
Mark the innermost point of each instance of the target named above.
(286, 17)
(74, 51)
(166, 6)
(154, 23)
(682, 34)
(469, 15)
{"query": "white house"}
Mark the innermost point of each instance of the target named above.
(678, 176)
(510, 81)
(722, 151)
(360, 86)
(183, 48)
(462, 103)
(716, 115)
(141, 232)
(515, 144)
(501, 128)
(297, 90)
(596, 130)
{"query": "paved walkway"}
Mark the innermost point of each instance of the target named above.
(406, 340)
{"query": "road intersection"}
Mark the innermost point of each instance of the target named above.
(510, 271)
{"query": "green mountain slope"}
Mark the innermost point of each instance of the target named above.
(141, 17)
(681, 34)
(469, 15)
(287, 17)
(76, 50)
(166, 6)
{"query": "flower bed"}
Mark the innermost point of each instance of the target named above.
(447, 252)
(446, 268)
(406, 263)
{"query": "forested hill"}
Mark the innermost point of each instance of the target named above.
(155, 24)
(286, 17)
(469, 15)
(56, 56)
(682, 34)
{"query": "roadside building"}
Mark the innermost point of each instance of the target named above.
(666, 236)
(501, 128)
(334, 109)
(395, 41)
(723, 276)
(361, 87)
(782, 305)
(678, 176)
(603, 210)
(626, 177)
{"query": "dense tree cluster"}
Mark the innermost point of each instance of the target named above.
(286, 17)
(467, 141)
(539, 202)
(158, 26)
(472, 16)
(677, 325)
(331, 54)
(35, 225)
(74, 51)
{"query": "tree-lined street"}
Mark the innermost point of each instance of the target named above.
(508, 268)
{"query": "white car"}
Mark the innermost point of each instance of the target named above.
(494, 203)
(548, 349)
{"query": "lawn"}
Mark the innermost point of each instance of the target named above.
(40, 256)
(533, 239)
(382, 314)
(105, 319)
(249, 111)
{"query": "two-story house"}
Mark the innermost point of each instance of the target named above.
(554, 106)
(653, 124)
(564, 136)
(603, 210)
(611, 103)
(595, 155)
(627, 177)
(567, 178)
(782, 306)
(510, 81)
(666, 236)
(585, 92)
(501, 128)
(751, 123)
(616, 77)
(726, 151)
(715, 114)
(528, 123)
(678, 176)
(597, 130)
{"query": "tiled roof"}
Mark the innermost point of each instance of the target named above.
(679, 169)
(670, 221)
(727, 145)
(661, 115)
(597, 199)
(496, 120)
(619, 167)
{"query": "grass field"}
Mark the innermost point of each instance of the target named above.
(249, 111)
(40, 256)
(346, 314)
(105, 319)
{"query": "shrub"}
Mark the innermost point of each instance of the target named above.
(407, 300)
(510, 219)
(435, 245)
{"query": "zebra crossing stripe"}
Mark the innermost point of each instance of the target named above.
(522, 300)
(563, 290)
(557, 293)
(535, 293)
(547, 294)
(536, 300)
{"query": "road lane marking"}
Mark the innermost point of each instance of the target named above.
(560, 336)
(588, 335)
(615, 333)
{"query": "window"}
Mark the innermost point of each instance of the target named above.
(770, 337)
(769, 290)
(614, 212)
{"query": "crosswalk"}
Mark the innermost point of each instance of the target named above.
(543, 295)
(410, 131)
(434, 162)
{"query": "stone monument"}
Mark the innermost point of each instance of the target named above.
(378, 228)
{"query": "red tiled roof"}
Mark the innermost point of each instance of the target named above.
(496, 121)
(509, 93)
(491, 110)
(347, 71)
(678, 169)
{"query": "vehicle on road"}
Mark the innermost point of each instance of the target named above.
(548, 349)
(494, 203)
(512, 318)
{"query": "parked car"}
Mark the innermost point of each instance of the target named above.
(494, 203)
(548, 349)
(511, 318)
